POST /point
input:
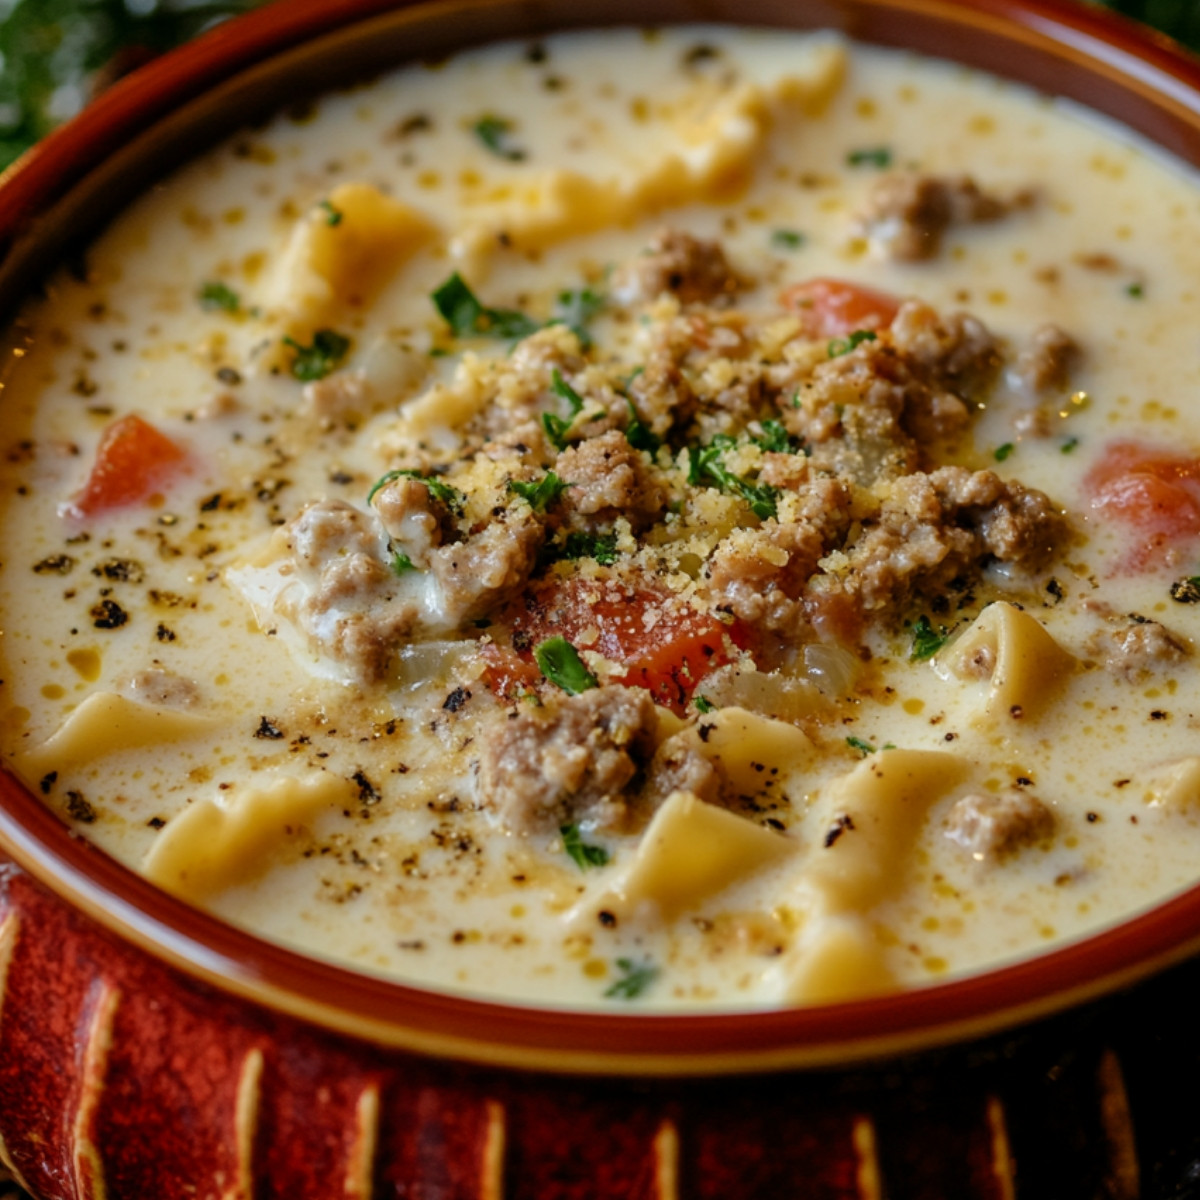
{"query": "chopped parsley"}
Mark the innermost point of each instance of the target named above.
(215, 296)
(638, 434)
(542, 493)
(840, 346)
(584, 854)
(495, 133)
(703, 704)
(864, 748)
(876, 156)
(635, 979)
(1002, 452)
(317, 360)
(462, 310)
(560, 663)
(333, 216)
(705, 469)
(599, 546)
(402, 564)
(556, 427)
(926, 640)
(775, 437)
(451, 497)
(787, 239)
(561, 388)
(575, 310)
(1135, 291)
(1069, 445)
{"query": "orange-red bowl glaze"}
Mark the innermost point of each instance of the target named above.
(150, 1050)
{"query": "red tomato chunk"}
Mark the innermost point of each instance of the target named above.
(835, 308)
(133, 461)
(1153, 491)
(665, 650)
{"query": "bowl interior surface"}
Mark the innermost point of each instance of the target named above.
(60, 195)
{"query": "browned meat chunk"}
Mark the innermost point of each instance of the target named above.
(758, 574)
(679, 767)
(907, 214)
(477, 574)
(351, 612)
(1137, 648)
(675, 262)
(995, 826)
(931, 528)
(413, 519)
(956, 352)
(359, 606)
(610, 479)
(662, 393)
(570, 761)
(1047, 362)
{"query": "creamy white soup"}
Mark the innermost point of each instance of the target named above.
(701, 518)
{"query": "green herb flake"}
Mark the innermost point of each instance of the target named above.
(1002, 452)
(402, 564)
(775, 438)
(556, 427)
(635, 979)
(560, 663)
(216, 296)
(599, 546)
(864, 748)
(451, 497)
(495, 133)
(1068, 445)
(840, 346)
(583, 854)
(576, 310)
(926, 640)
(703, 704)
(333, 216)
(638, 434)
(787, 239)
(705, 469)
(564, 391)
(315, 361)
(1135, 291)
(467, 316)
(877, 156)
(542, 493)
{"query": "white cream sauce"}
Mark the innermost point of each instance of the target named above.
(397, 873)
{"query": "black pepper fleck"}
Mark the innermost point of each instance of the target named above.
(78, 809)
(108, 614)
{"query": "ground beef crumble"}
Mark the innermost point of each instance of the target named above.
(568, 761)
(907, 214)
(736, 467)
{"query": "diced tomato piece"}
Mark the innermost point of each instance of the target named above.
(506, 673)
(133, 461)
(666, 650)
(834, 308)
(1153, 491)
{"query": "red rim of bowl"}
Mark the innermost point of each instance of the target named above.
(1132, 60)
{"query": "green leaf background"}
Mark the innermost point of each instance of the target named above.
(54, 54)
